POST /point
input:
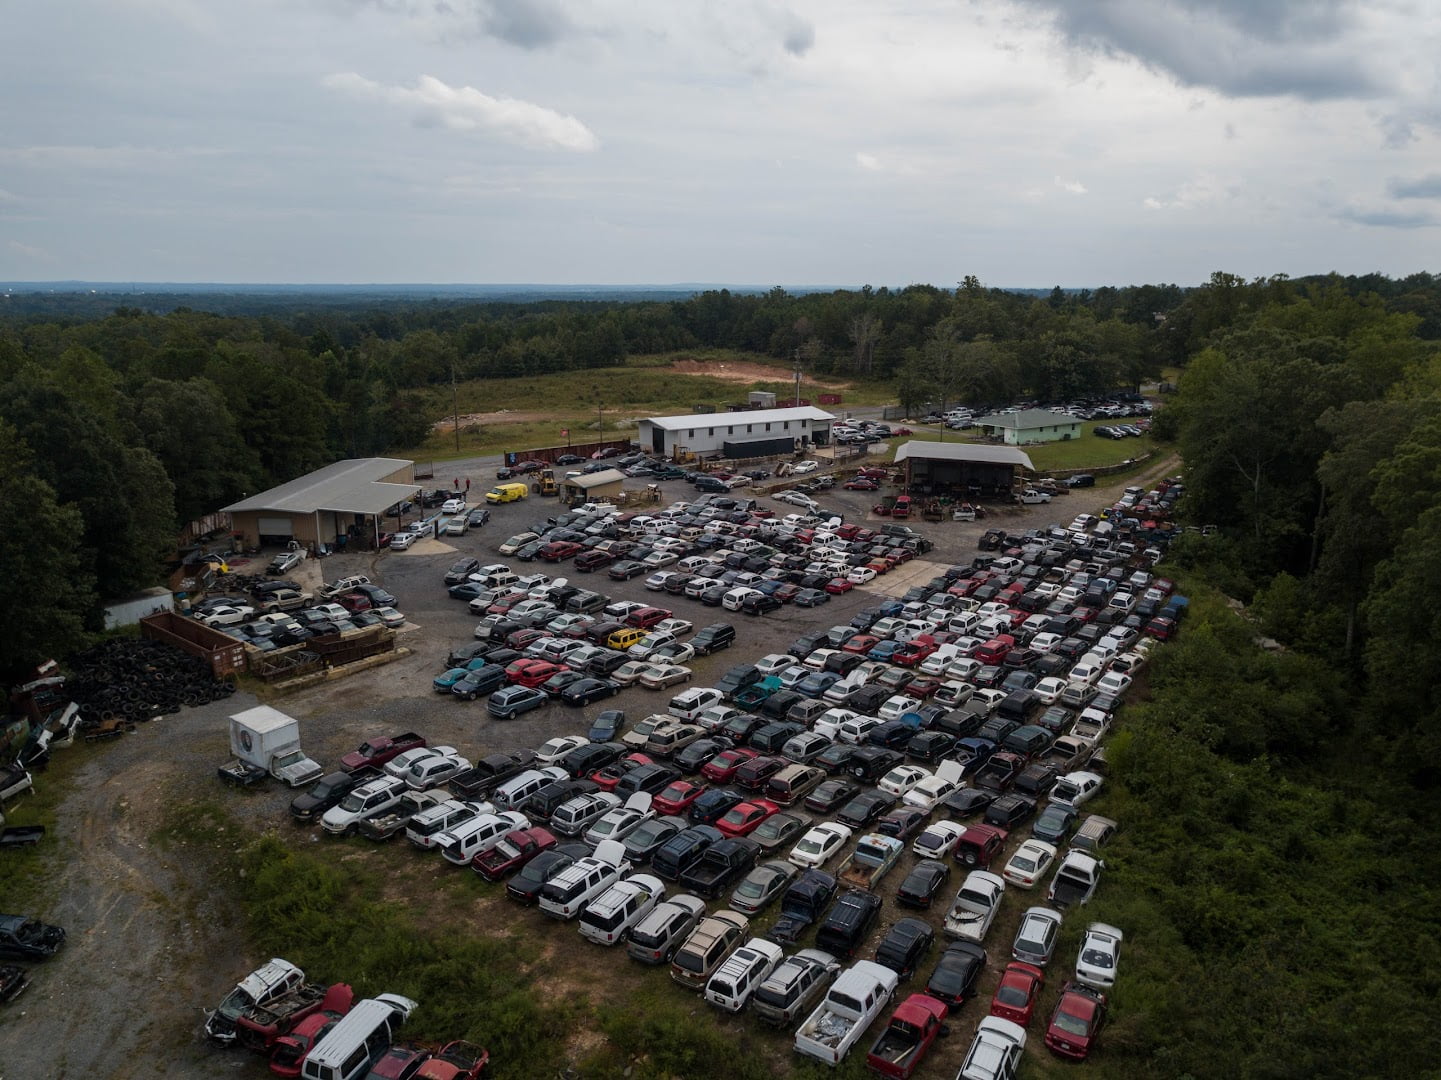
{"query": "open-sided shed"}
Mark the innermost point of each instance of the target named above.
(965, 470)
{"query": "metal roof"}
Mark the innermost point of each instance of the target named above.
(1027, 419)
(730, 419)
(961, 451)
(351, 486)
(586, 481)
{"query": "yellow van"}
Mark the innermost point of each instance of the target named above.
(504, 493)
(624, 639)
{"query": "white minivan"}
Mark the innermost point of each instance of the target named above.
(359, 1037)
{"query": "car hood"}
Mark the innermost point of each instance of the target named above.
(301, 772)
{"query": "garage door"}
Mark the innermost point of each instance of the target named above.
(275, 527)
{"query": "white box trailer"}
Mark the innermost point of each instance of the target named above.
(266, 742)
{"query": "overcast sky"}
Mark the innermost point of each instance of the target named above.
(1031, 143)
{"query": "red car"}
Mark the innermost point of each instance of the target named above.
(861, 483)
(860, 644)
(400, 1062)
(753, 774)
(458, 1060)
(376, 752)
(514, 851)
(994, 651)
(576, 631)
(1019, 990)
(646, 617)
(287, 1055)
(786, 593)
(557, 550)
(913, 652)
(848, 532)
(872, 472)
(523, 639)
(505, 603)
(721, 769)
(1077, 1021)
(677, 798)
(742, 819)
(839, 585)
(531, 672)
(923, 687)
(607, 778)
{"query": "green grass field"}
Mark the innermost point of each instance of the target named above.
(616, 396)
(1085, 452)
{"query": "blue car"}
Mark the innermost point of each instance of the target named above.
(884, 650)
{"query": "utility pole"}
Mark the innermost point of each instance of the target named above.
(455, 405)
(600, 420)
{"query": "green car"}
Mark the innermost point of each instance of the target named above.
(445, 682)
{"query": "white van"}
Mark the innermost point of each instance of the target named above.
(519, 788)
(470, 838)
(573, 888)
(359, 1037)
(742, 973)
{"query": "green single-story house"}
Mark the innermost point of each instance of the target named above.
(1030, 426)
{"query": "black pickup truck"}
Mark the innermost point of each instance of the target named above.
(722, 864)
(801, 905)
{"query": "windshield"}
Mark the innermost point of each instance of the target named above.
(809, 847)
(236, 1002)
(1070, 1023)
(750, 889)
(1096, 958)
(1011, 995)
(1020, 862)
(352, 803)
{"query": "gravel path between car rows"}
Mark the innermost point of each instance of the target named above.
(154, 941)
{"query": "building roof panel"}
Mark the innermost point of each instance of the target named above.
(962, 451)
(730, 419)
(349, 486)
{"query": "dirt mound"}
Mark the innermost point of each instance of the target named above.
(747, 371)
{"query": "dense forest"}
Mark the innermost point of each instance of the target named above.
(1278, 873)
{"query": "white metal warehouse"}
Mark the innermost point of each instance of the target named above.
(757, 433)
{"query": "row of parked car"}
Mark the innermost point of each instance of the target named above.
(754, 761)
(278, 612)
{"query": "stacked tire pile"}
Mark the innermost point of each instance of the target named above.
(119, 683)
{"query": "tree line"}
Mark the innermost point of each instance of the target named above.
(1279, 876)
(138, 419)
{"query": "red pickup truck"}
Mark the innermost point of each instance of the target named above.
(376, 752)
(913, 1028)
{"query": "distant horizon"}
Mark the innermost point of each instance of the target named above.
(83, 285)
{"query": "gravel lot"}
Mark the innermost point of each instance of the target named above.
(150, 948)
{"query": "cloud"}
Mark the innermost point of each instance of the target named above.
(1243, 48)
(433, 103)
(1388, 219)
(798, 36)
(8, 196)
(1421, 187)
(526, 24)
(1201, 191)
(1075, 187)
(868, 161)
(30, 252)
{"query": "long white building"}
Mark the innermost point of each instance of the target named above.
(759, 433)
